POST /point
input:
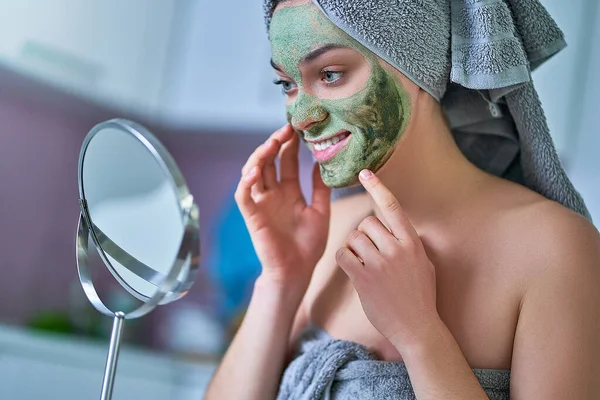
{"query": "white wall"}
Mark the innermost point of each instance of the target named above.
(585, 161)
(558, 81)
(569, 92)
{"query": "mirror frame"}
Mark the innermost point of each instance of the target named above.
(169, 288)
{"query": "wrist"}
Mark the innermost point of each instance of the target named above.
(284, 291)
(422, 342)
(292, 276)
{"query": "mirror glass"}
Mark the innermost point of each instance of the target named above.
(134, 207)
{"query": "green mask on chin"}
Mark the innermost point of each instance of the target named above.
(376, 116)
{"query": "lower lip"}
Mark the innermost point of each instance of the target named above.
(331, 151)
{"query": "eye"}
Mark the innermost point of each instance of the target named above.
(286, 86)
(331, 76)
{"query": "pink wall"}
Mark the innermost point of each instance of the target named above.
(38, 206)
(40, 135)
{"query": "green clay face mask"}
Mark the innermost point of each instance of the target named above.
(375, 116)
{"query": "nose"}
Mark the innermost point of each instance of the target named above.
(307, 111)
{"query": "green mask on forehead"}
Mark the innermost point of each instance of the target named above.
(376, 116)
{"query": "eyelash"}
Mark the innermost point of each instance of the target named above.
(282, 82)
(334, 83)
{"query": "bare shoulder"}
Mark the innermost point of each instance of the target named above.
(546, 235)
(550, 229)
(559, 253)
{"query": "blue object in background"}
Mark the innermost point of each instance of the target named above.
(233, 266)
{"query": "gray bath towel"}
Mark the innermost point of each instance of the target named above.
(476, 58)
(326, 368)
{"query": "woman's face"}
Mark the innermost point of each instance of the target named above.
(350, 110)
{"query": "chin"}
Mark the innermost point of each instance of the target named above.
(337, 182)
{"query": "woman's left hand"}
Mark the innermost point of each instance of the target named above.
(390, 270)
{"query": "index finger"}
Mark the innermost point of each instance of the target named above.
(389, 205)
(284, 133)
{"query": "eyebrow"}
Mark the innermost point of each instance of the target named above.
(320, 51)
(313, 55)
(275, 66)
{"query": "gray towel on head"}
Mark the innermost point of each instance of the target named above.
(326, 368)
(476, 58)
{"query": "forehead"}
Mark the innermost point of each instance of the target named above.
(291, 3)
(297, 30)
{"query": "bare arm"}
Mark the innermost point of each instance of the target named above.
(438, 369)
(259, 340)
(556, 352)
(289, 237)
(252, 366)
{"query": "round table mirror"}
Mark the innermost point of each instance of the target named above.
(138, 215)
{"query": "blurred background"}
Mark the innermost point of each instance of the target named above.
(197, 74)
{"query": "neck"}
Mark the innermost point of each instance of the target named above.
(427, 172)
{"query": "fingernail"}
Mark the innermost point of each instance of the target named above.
(366, 174)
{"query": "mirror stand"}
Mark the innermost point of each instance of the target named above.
(113, 356)
(122, 164)
(171, 287)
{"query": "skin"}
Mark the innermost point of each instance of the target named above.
(460, 270)
(376, 110)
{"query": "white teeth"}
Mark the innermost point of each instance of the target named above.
(322, 145)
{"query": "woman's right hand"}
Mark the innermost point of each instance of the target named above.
(289, 236)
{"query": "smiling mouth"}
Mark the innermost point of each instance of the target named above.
(324, 144)
(327, 148)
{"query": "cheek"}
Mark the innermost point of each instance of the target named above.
(384, 110)
(362, 112)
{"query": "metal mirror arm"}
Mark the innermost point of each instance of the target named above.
(188, 250)
(188, 254)
(121, 256)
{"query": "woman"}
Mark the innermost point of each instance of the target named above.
(461, 284)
